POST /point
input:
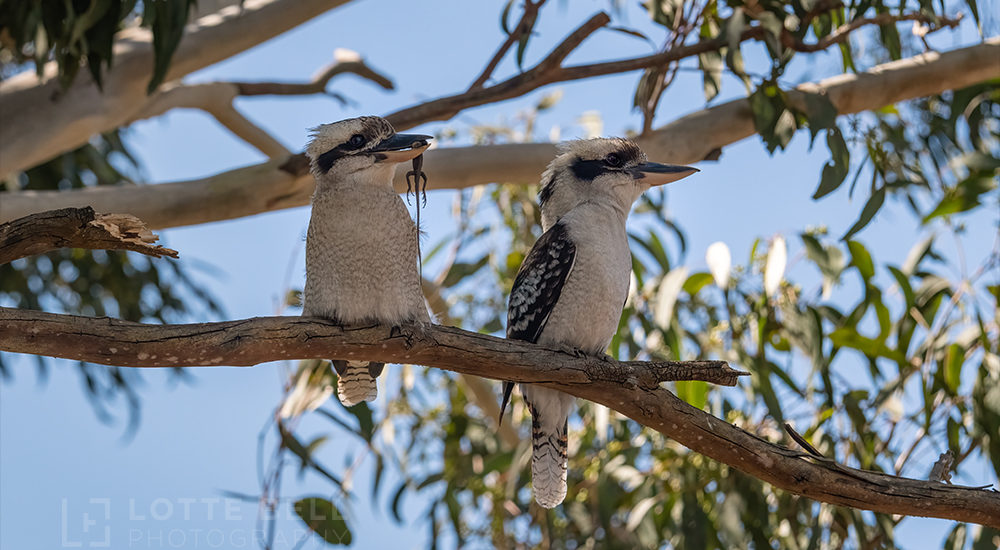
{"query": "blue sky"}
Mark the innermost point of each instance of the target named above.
(60, 467)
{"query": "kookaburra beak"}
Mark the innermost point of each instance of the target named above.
(654, 173)
(400, 147)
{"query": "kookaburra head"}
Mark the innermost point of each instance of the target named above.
(608, 170)
(363, 150)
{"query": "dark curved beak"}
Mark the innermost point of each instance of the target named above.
(654, 173)
(401, 147)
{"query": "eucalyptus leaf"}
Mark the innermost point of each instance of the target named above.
(867, 213)
(322, 517)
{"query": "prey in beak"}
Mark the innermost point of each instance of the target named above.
(400, 147)
(654, 173)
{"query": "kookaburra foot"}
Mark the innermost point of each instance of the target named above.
(412, 333)
(575, 352)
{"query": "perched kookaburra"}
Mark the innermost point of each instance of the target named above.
(571, 288)
(361, 248)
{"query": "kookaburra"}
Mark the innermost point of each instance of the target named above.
(572, 286)
(361, 247)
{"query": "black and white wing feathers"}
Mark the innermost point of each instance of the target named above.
(536, 289)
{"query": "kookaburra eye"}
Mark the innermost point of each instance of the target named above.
(613, 160)
(357, 140)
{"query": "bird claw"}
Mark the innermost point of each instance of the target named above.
(575, 352)
(412, 333)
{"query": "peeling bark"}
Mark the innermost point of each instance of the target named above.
(77, 228)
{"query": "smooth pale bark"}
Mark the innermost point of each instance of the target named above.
(40, 120)
(275, 185)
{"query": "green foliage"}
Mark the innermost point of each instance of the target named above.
(166, 20)
(940, 156)
(99, 283)
(323, 518)
(833, 362)
(833, 358)
(71, 32)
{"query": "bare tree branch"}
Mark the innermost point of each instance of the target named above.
(631, 388)
(842, 32)
(345, 61)
(77, 228)
(549, 70)
(38, 126)
(523, 27)
(216, 99)
(275, 185)
(41, 121)
(129, 344)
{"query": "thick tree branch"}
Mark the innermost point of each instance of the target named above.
(76, 228)
(275, 185)
(38, 127)
(216, 99)
(250, 342)
(41, 121)
(631, 388)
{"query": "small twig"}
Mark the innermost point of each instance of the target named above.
(843, 31)
(523, 26)
(345, 61)
(77, 228)
(571, 42)
(802, 441)
(549, 71)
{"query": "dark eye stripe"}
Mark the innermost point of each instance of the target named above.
(587, 170)
(326, 160)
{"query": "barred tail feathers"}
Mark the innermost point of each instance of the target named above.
(356, 381)
(549, 412)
